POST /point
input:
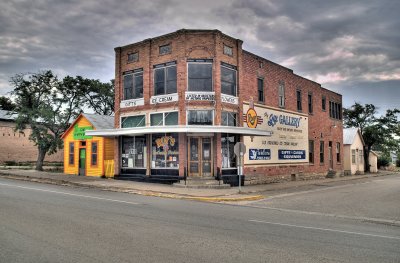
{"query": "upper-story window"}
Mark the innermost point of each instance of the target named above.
(164, 118)
(133, 121)
(165, 49)
(200, 75)
(133, 84)
(310, 103)
(228, 79)
(133, 57)
(281, 94)
(335, 110)
(228, 50)
(228, 118)
(165, 78)
(298, 96)
(260, 89)
(200, 117)
(323, 103)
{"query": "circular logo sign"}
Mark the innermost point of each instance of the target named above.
(251, 118)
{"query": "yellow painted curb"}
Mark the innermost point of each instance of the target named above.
(202, 198)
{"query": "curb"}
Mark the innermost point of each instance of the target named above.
(132, 191)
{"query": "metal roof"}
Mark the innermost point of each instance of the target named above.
(100, 121)
(349, 135)
(7, 115)
(178, 129)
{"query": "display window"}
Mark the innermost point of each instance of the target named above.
(134, 152)
(165, 150)
(228, 142)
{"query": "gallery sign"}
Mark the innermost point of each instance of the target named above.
(132, 103)
(164, 98)
(79, 132)
(288, 142)
(200, 96)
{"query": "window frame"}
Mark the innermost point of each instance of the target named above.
(164, 114)
(353, 156)
(200, 61)
(134, 73)
(227, 47)
(281, 94)
(212, 116)
(92, 154)
(229, 67)
(310, 103)
(144, 157)
(71, 154)
(323, 103)
(321, 152)
(165, 66)
(260, 90)
(121, 117)
(299, 100)
(166, 156)
(311, 151)
(133, 54)
(338, 159)
(229, 115)
(237, 139)
(165, 53)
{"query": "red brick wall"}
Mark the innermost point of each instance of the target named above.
(17, 147)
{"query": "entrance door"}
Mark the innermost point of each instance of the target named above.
(82, 161)
(200, 157)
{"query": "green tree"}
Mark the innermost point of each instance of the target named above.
(46, 106)
(378, 132)
(6, 104)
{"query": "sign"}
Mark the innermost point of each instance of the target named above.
(229, 99)
(79, 132)
(288, 142)
(164, 98)
(239, 149)
(132, 103)
(259, 154)
(292, 154)
(200, 96)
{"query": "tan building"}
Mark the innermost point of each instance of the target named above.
(15, 146)
(353, 151)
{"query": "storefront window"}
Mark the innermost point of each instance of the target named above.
(134, 152)
(227, 147)
(165, 150)
(200, 117)
(133, 121)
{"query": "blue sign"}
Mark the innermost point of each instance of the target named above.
(291, 154)
(259, 154)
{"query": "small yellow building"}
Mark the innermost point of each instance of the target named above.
(88, 155)
(353, 144)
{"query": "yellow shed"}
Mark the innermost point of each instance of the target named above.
(88, 155)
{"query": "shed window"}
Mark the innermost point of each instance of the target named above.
(94, 153)
(71, 154)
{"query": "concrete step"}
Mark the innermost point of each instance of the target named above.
(200, 183)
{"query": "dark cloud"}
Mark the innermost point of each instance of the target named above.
(348, 46)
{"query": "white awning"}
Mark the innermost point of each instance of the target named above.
(178, 129)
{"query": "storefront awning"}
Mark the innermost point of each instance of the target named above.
(178, 129)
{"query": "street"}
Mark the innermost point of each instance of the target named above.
(352, 222)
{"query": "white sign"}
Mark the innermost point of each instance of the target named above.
(202, 96)
(164, 98)
(288, 142)
(132, 103)
(229, 99)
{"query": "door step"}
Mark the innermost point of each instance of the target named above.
(202, 183)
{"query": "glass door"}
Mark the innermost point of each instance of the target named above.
(200, 157)
(206, 161)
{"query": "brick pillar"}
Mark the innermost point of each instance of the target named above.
(182, 153)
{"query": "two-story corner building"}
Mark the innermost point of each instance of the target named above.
(183, 100)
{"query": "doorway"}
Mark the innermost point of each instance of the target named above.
(82, 161)
(200, 156)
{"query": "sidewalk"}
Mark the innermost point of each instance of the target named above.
(248, 193)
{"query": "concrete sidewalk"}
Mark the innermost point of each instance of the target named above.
(248, 193)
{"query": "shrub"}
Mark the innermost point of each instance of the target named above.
(383, 161)
(398, 162)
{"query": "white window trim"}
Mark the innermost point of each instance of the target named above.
(165, 79)
(163, 113)
(212, 76)
(123, 86)
(236, 86)
(120, 120)
(213, 116)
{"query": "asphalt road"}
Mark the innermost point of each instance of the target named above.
(46, 223)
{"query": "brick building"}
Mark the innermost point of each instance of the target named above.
(15, 146)
(182, 101)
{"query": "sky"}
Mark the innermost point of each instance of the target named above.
(350, 47)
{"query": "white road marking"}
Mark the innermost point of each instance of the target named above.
(324, 229)
(70, 194)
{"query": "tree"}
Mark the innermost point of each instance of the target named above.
(377, 132)
(6, 104)
(47, 106)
